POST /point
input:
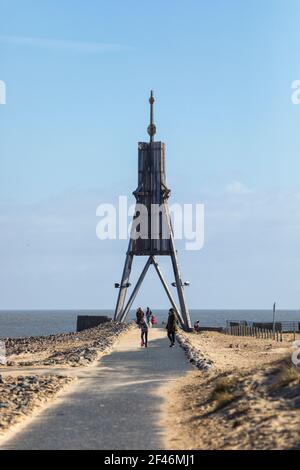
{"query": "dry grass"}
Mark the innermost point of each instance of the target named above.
(285, 375)
(224, 393)
(250, 400)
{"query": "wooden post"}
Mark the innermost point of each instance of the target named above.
(274, 310)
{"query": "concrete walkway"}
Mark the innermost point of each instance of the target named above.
(114, 405)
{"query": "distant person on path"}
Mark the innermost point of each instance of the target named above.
(172, 326)
(153, 320)
(197, 326)
(148, 316)
(139, 315)
(144, 332)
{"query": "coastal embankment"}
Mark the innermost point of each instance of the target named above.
(38, 368)
(245, 395)
(65, 349)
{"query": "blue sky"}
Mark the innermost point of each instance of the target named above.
(78, 75)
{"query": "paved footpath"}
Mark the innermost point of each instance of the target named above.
(114, 405)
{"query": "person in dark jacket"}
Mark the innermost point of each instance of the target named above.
(172, 326)
(144, 332)
(139, 315)
(148, 316)
(197, 326)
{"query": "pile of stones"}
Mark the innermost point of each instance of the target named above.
(193, 354)
(73, 349)
(20, 395)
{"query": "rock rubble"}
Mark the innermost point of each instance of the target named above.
(192, 353)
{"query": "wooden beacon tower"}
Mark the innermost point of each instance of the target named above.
(151, 233)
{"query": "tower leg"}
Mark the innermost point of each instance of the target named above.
(161, 277)
(135, 290)
(183, 307)
(124, 283)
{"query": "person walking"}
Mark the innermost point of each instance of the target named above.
(148, 316)
(144, 332)
(172, 326)
(139, 315)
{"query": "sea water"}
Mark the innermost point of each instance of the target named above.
(17, 323)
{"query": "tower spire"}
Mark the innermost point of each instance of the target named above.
(151, 128)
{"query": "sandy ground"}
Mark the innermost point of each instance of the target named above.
(243, 353)
(249, 399)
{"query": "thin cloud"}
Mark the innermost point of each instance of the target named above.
(64, 45)
(237, 187)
